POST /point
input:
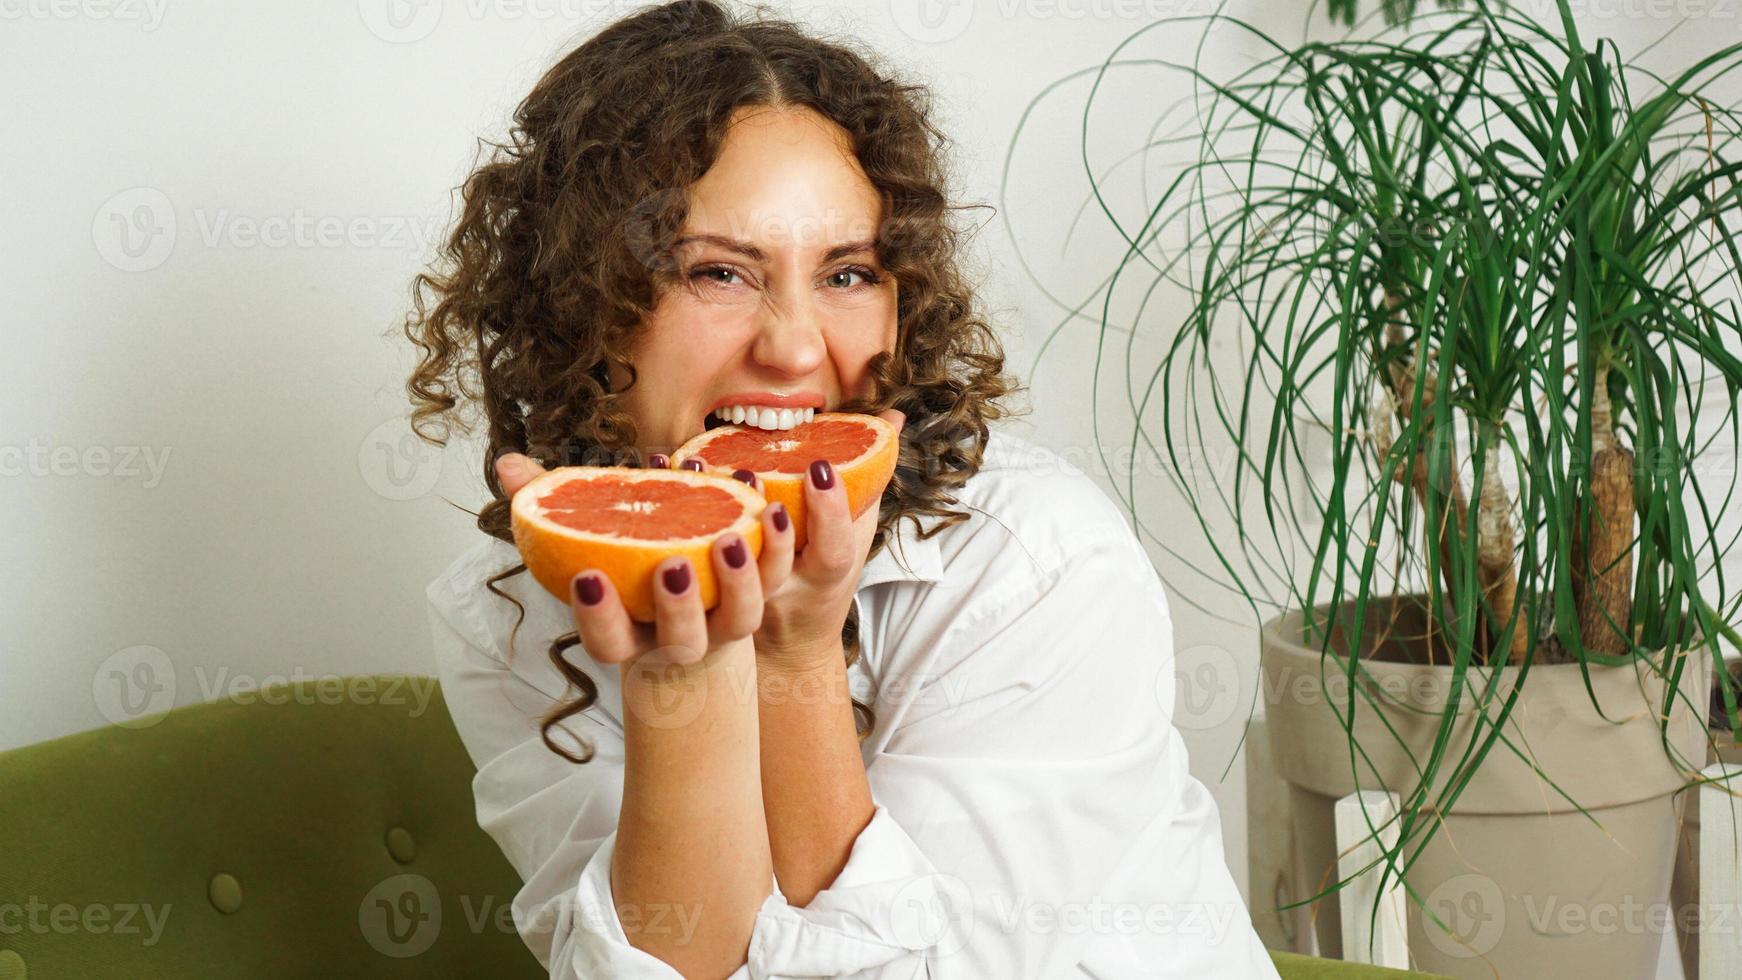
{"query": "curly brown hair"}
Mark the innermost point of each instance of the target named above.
(562, 247)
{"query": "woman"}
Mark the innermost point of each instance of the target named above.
(932, 747)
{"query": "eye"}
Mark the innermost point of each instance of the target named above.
(711, 274)
(868, 277)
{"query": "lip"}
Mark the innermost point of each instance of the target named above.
(801, 399)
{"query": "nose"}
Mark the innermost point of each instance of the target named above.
(789, 338)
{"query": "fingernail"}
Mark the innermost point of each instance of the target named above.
(822, 474)
(735, 554)
(744, 476)
(676, 578)
(693, 464)
(589, 590)
(659, 461)
(781, 521)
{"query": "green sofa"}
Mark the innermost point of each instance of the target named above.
(320, 828)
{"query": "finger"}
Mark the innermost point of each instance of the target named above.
(828, 550)
(895, 417)
(602, 623)
(775, 562)
(659, 461)
(739, 611)
(680, 628)
(516, 470)
(777, 537)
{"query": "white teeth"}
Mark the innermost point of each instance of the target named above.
(768, 418)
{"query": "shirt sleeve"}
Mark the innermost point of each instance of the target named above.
(1035, 817)
(554, 820)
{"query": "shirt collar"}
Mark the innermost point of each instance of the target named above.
(906, 557)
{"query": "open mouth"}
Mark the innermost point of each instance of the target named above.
(758, 417)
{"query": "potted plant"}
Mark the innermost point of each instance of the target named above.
(1490, 273)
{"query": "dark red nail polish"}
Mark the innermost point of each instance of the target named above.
(659, 461)
(589, 589)
(676, 579)
(780, 519)
(735, 554)
(744, 476)
(822, 474)
(693, 464)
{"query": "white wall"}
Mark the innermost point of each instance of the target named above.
(280, 171)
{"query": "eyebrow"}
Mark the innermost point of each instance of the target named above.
(753, 253)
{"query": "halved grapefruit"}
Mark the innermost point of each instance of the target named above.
(623, 522)
(860, 448)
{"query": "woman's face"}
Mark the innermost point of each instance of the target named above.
(782, 302)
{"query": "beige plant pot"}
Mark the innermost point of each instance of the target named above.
(1530, 887)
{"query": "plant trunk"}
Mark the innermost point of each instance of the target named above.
(1494, 559)
(1495, 573)
(1602, 544)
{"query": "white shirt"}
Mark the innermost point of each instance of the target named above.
(1034, 816)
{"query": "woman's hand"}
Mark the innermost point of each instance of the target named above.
(801, 624)
(682, 633)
